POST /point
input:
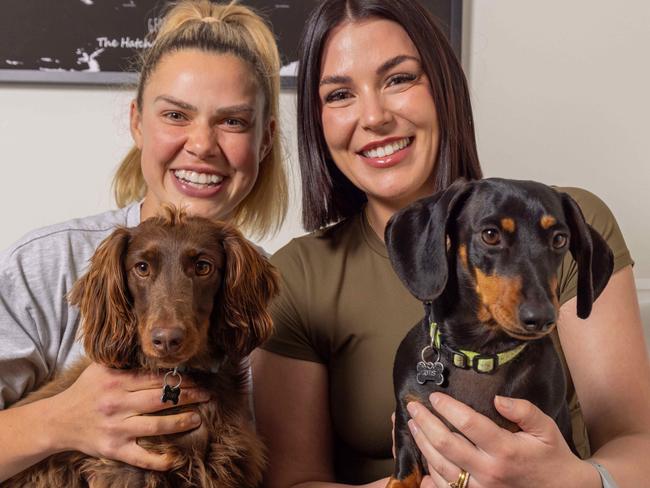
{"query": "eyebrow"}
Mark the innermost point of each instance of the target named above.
(392, 62)
(382, 70)
(243, 107)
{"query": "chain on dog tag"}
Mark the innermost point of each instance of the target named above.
(171, 393)
(430, 371)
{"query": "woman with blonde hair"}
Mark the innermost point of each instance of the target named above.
(204, 124)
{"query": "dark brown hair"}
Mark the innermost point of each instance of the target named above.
(327, 195)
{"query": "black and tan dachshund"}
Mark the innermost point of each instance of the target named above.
(483, 257)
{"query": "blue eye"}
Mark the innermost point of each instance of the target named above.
(234, 122)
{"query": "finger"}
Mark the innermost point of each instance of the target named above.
(479, 429)
(433, 437)
(428, 482)
(436, 462)
(149, 401)
(527, 416)
(153, 425)
(436, 481)
(137, 456)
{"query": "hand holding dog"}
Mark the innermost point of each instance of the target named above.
(535, 456)
(101, 414)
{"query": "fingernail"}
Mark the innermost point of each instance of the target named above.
(504, 402)
(433, 398)
(412, 408)
(412, 427)
(196, 418)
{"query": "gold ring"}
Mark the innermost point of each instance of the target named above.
(462, 481)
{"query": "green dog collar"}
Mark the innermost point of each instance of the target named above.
(481, 363)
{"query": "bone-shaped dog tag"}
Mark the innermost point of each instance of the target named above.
(428, 371)
(170, 393)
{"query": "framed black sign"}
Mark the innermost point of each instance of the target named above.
(96, 41)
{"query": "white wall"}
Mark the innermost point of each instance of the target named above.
(560, 91)
(561, 94)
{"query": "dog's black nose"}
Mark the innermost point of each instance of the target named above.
(536, 317)
(167, 341)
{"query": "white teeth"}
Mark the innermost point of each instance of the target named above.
(387, 150)
(198, 178)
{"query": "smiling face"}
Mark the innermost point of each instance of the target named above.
(202, 132)
(378, 115)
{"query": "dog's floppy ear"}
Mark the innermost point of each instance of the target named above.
(108, 323)
(249, 284)
(416, 238)
(591, 253)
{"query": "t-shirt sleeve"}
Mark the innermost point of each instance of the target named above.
(23, 363)
(601, 218)
(292, 336)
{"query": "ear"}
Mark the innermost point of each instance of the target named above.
(249, 284)
(267, 139)
(135, 119)
(416, 238)
(108, 323)
(592, 254)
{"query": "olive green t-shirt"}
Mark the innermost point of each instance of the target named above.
(341, 304)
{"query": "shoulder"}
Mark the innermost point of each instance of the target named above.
(592, 206)
(70, 241)
(319, 246)
(596, 213)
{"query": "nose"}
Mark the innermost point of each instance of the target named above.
(167, 341)
(536, 316)
(201, 140)
(374, 112)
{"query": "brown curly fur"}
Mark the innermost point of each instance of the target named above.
(224, 316)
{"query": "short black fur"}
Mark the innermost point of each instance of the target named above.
(488, 297)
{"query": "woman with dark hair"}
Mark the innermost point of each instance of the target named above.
(383, 119)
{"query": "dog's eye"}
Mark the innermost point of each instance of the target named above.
(491, 237)
(203, 268)
(142, 269)
(559, 240)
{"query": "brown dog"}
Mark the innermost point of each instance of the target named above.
(483, 256)
(183, 294)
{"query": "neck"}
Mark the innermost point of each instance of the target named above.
(378, 213)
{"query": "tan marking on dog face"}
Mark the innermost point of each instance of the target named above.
(508, 225)
(500, 297)
(462, 254)
(547, 221)
(554, 294)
